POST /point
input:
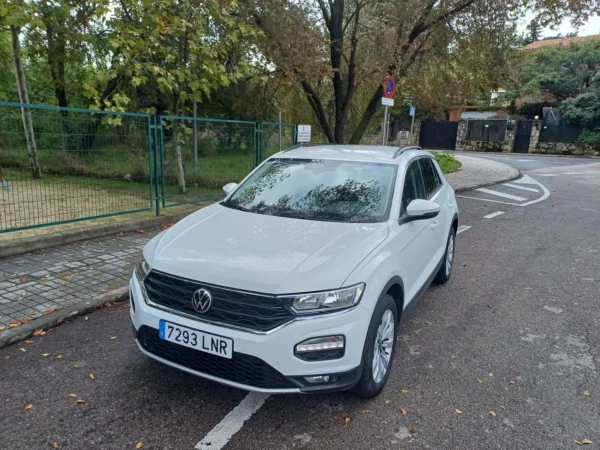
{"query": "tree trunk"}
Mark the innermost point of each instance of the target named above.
(180, 171)
(24, 98)
(88, 140)
(367, 116)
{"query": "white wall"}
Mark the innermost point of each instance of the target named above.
(477, 114)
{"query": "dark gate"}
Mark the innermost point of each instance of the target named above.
(438, 135)
(522, 136)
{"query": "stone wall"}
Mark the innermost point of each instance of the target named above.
(564, 148)
(462, 144)
(408, 139)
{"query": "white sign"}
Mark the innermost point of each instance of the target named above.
(387, 101)
(303, 133)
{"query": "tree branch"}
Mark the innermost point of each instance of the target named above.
(325, 13)
(317, 106)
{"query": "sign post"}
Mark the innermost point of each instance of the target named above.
(389, 89)
(411, 113)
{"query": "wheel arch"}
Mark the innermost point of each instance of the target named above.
(395, 289)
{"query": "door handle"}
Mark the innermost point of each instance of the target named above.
(434, 224)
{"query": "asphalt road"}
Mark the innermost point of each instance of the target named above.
(515, 332)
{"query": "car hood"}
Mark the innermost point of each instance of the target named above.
(263, 253)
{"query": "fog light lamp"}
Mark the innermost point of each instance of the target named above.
(321, 344)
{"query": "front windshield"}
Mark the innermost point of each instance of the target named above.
(345, 191)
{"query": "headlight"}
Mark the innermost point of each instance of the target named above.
(142, 270)
(320, 302)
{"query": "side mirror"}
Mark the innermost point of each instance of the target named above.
(229, 187)
(421, 209)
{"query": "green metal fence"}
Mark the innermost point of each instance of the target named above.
(200, 156)
(89, 164)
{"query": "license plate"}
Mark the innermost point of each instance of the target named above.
(198, 340)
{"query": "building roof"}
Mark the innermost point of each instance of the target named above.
(559, 41)
(365, 153)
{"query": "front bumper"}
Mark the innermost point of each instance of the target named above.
(262, 362)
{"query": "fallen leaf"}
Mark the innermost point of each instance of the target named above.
(365, 411)
(491, 374)
(411, 429)
(492, 413)
(112, 337)
(403, 412)
(337, 417)
(139, 445)
(55, 445)
(59, 357)
(45, 354)
(28, 406)
(584, 442)
(453, 356)
(387, 402)
(167, 225)
(112, 286)
(87, 340)
(23, 280)
(73, 395)
(457, 411)
(120, 233)
(29, 341)
(479, 380)
(13, 324)
(92, 376)
(404, 391)
(2, 327)
(427, 323)
(347, 420)
(22, 349)
(86, 318)
(26, 319)
(75, 366)
(511, 382)
(139, 231)
(587, 393)
(80, 401)
(502, 406)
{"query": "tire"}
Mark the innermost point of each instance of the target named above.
(373, 381)
(445, 271)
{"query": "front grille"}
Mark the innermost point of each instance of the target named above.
(242, 309)
(241, 368)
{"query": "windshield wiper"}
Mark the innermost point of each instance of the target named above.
(235, 206)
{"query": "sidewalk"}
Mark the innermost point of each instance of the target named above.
(43, 288)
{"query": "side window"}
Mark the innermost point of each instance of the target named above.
(430, 177)
(413, 185)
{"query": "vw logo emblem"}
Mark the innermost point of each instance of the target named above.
(202, 300)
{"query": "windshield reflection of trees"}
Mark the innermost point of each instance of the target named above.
(351, 201)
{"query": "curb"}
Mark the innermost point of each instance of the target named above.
(485, 184)
(24, 331)
(548, 155)
(33, 243)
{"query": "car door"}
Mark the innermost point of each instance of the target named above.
(412, 249)
(434, 191)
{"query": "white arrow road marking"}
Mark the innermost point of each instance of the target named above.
(526, 179)
(220, 435)
(523, 188)
(462, 228)
(492, 215)
(501, 194)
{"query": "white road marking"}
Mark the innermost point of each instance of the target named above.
(492, 215)
(547, 174)
(525, 160)
(525, 179)
(501, 194)
(488, 200)
(462, 228)
(220, 435)
(542, 198)
(572, 173)
(523, 188)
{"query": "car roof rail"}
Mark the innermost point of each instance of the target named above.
(305, 144)
(403, 149)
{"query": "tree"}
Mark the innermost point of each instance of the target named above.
(555, 72)
(534, 32)
(343, 49)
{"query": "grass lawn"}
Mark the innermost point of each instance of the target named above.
(447, 162)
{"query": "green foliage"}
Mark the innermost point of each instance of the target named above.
(447, 162)
(590, 136)
(556, 72)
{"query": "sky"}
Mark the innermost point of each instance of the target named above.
(592, 26)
